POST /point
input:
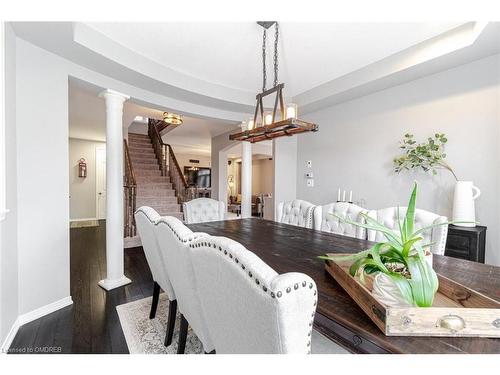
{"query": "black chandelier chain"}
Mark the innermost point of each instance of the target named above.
(276, 35)
(275, 57)
(264, 73)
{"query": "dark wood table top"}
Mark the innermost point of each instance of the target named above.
(288, 248)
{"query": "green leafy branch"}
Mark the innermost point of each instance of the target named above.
(428, 156)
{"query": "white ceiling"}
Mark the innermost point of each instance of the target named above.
(229, 54)
(212, 70)
(87, 120)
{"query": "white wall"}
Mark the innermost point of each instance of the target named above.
(9, 302)
(82, 190)
(358, 140)
(285, 169)
(219, 149)
(42, 177)
(262, 176)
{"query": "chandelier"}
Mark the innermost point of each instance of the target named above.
(172, 118)
(282, 121)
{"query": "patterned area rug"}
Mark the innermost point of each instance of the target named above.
(146, 336)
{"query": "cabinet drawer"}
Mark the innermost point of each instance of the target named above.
(458, 242)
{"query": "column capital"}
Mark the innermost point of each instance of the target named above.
(108, 93)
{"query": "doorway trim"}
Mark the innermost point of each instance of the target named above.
(97, 149)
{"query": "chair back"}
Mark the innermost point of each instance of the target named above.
(146, 218)
(296, 212)
(173, 239)
(388, 217)
(249, 308)
(202, 210)
(326, 218)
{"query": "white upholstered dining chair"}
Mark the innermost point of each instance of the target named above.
(248, 307)
(326, 218)
(296, 212)
(173, 238)
(202, 210)
(146, 218)
(388, 217)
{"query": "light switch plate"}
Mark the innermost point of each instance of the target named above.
(309, 164)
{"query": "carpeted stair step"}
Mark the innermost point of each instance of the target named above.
(145, 201)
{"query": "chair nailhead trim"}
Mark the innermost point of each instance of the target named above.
(304, 283)
(310, 286)
(288, 290)
(264, 288)
(257, 281)
(225, 252)
(250, 274)
(278, 294)
(296, 286)
(231, 256)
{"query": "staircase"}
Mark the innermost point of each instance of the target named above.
(153, 189)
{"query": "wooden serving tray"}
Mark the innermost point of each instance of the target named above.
(457, 310)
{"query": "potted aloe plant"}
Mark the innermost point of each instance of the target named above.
(403, 276)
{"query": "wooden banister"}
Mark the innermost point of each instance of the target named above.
(169, 165)
(130, 193)
(176, 164)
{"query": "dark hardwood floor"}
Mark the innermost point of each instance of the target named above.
(91, 324)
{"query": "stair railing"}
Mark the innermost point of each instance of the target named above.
(168, 163)
(130, 194)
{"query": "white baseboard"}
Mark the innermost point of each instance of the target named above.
(84, 219)
(10, 336)
(33, 315)
(44, 310)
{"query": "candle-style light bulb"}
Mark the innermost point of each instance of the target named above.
(268, 118)
(250, 124)
(291, 111)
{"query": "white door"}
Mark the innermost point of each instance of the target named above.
(100, 181)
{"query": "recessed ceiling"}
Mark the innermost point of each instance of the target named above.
(87, 120)
(229, 54)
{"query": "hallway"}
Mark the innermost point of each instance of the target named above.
(91, 324)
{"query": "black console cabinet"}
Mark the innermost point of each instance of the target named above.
(466, 243)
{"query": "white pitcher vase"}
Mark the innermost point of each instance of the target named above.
(463, 203)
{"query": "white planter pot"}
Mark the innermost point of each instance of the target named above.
(463, 203)
(387, 292)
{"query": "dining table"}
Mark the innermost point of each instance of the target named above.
(288, 248)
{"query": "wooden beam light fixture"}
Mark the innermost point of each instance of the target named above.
(282, 121)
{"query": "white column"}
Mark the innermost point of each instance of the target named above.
(114, 190)
(246, 179)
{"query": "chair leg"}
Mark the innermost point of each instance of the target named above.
(183, 330)
(212, 352)
(154, 304)
(172, 312)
